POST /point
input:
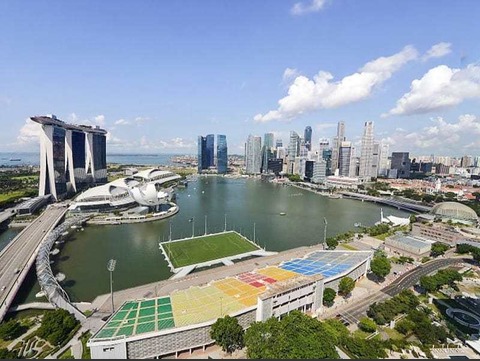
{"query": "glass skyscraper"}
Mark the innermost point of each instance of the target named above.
(222, 154)
(210, 150)
(308, 137)
(202, 153)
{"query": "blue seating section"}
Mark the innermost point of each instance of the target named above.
(328, 264)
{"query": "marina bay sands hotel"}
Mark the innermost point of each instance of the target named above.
(71, 156)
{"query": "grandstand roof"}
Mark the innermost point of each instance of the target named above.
(198, 304)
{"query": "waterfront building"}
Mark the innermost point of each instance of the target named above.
(344, 158)
(71, 156)
(275, 165)
(366, 155)
(401, 163)
(253, 155)
(336, 144)
(342, 182)
(180, 316)
(267, 151)
(319, 171)
(210, 150)
(202, 154)
(384, 163)
(437, 232)
(309, 165)
(222, 154)
(293, 150)
(308, 137)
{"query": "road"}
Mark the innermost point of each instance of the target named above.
(356, 311)
(19, 255)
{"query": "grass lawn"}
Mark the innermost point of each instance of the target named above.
(347, 246)
(208, 248)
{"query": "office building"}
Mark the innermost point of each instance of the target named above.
(319, 171)
(307, 136)
(267, 151)
(366, 155)
(278, 143)
(222, 154)
(210, 150)
(375, 160)
(336, 144)
(323, 145)
(71, 156)
(253, 155)
(275, 165)
(344, 158)
(384, 162)
(293, 150)
(401, 163)
(202, 154)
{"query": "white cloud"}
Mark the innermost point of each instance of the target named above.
(441, 136)
(437, 51)
(305, 8)
(321, 92)
(290, 74)
(100, 120)
(122, 122)
(141, 120)
(441, 87)
(29, 133)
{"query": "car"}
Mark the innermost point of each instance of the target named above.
(16, 271)
(3, 288)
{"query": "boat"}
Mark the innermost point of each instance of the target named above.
(357, 224)
(334, 196)
(282, 213)
(55, 251)
(15, 160)
(60, 277)
(40, 294)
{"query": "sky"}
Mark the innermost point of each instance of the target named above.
(156, 74)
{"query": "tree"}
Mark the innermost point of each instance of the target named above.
(5, 354)
(227, 333)
(332, 243)
(438, 249)
(329, 296)
(11, 329)
(367, 324)
(380, 266)
(404, 326)
(295, 336)
(346, 286)
(56, 326)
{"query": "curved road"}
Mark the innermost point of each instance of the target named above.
(356, 311)
(19, 255)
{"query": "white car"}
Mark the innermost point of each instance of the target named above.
(3, 288)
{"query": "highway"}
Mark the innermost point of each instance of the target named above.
(17, 258)
(356, 311)
(409, 206)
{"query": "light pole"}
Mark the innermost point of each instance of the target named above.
(325, 232)
(193, 226)
(254, 232)
(225, 227)
(170, 233)
(205, 225)
(111, 267)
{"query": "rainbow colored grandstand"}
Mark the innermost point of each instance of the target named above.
(231, 295)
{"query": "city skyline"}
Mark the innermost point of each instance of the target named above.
(155, 85)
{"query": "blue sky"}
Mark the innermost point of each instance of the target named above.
(156, 74)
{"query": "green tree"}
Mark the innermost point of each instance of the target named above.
(365, 349)
(295, 336)
(367, 324)
(380, 266)
(329, 296)
(332, 243)
(438, 249)
(227, 333)
(56, 326)
(6, 355)
(11, 329)
(404, 326)
(346, 286)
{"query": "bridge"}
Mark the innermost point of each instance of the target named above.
(408, 206)
(7, 214)
(19, 255)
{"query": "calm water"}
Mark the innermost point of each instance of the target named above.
(6, 235)
(135, 247)
(34, 158)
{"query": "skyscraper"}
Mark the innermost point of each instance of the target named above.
(324, 144)
(336, 144)
(222, 154)
(253, 155)
(293, 150)
(308, 137)
(278, 143)
(344, 158)
(202, 154)
(383, 160)
(401, 163)
(70, 156)
(366, 155)
(210, 150)
(267, 151)
(375, 159)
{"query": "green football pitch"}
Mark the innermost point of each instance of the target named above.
(207, 248)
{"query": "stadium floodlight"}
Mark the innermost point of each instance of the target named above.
(111, 267)
(325, 232)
